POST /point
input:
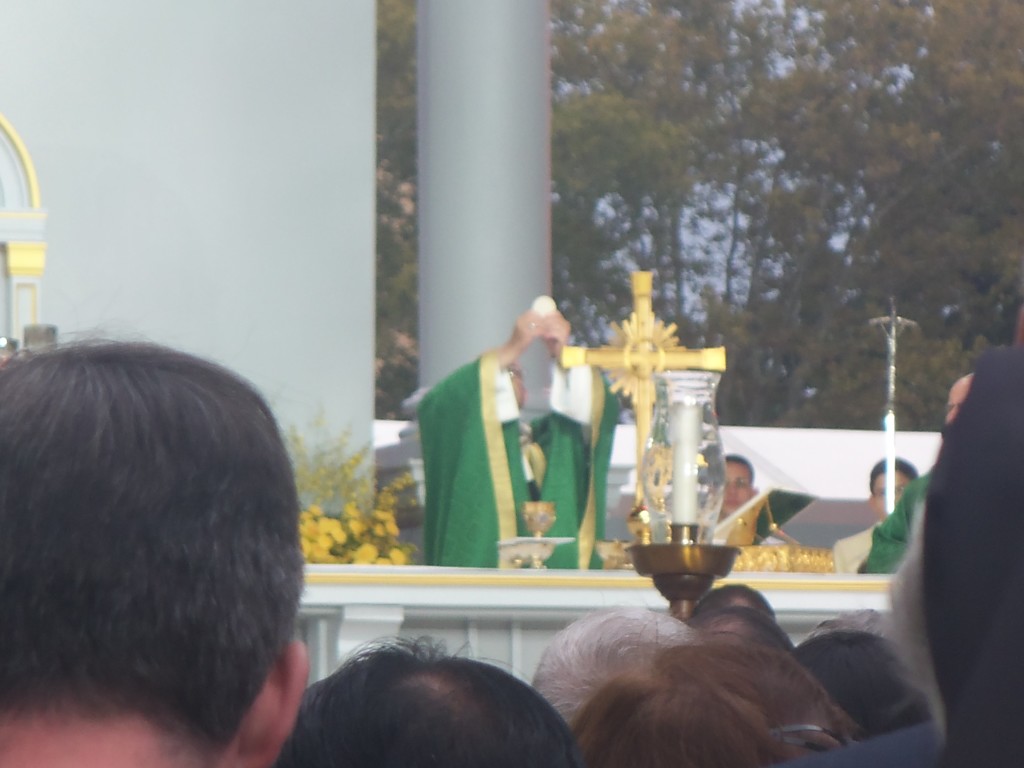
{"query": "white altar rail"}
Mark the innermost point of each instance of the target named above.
(509, 616)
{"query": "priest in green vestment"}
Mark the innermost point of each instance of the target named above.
(891, 537)
(481, 464)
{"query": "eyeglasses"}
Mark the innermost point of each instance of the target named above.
(737, 482)
(789, 734)
(880, 492)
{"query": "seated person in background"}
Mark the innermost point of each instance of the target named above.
(739, 484)
(481, 465)
(705, 706)
(150, 568)
(905, 472)
(734, 594)
(740, 625)
(890, 538)
(407, 704)
(585, 654)
(960, 630)
(849, 553)
(864, 676)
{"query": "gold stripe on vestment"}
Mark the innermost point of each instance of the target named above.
(497, 456)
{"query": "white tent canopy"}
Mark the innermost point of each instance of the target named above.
(828, 463)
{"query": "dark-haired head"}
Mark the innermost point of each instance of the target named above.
(149, 562)
(407, 704)
(734, 594)
(863, 675)
(903, 466)
(735, 458)
(740, 625)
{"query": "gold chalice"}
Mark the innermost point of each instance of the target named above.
(539, 516)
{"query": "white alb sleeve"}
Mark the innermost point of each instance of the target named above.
(572, 394)
(505, 397)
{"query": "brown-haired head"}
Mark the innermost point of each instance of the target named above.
(709, 706)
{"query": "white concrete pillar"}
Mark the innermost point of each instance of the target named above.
(484, 176)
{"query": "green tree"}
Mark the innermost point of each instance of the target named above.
(785, 169)
(396, 318)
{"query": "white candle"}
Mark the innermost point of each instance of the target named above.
(686, 425)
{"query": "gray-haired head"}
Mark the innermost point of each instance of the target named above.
(595, 648)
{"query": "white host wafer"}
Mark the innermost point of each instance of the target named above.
(544, 305)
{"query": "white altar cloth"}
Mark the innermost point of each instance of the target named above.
(509, 616)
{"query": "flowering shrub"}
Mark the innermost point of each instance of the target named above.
(344, 518)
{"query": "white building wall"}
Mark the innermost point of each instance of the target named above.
(208, 169)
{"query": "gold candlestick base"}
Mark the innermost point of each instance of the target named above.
(639, 524)
(683, 573)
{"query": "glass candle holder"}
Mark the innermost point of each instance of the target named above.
(683, 469)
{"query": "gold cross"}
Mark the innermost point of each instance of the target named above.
(642, 347)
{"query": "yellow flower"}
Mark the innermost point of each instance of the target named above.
(366, 554)
(332, 526)
(345, 518)
(398, 557)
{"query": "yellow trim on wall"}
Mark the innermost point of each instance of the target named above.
(26, 259)
(26, 161)
(27, 215)
(624, 580)
(473, 577)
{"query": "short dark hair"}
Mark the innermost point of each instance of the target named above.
(736, 458)
(902, 466)
(149, 560)
(734, 594)
(741, 625)
(406, 703)
(864, 676)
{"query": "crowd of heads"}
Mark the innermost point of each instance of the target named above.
(621, 686)
(150, 576)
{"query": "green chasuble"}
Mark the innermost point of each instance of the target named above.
(890, 537)
(475, 482)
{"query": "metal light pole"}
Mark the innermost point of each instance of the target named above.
(891, 326)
